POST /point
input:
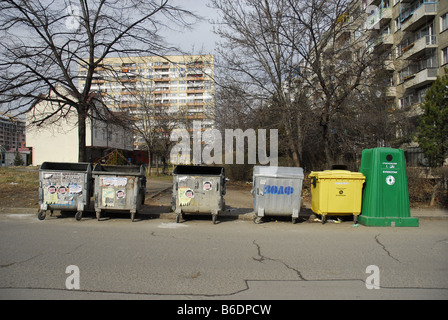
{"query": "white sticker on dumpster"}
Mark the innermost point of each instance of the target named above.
(75, 188)
(114, 181)
(185, 195)
(207, 186)
(108, 197)
(121, 194)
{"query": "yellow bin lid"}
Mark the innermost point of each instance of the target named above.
(337, 174)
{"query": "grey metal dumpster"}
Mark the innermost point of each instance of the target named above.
(277, 191)
(198, 189)
(119, 188)
(64, 186)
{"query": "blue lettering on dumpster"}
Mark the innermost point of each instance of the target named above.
(279, 190)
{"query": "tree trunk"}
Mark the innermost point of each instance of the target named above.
(434, 192)
(294, 153)
(149, 162)
(326, 135)
(82, 154)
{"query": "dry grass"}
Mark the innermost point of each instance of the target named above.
(19, 187)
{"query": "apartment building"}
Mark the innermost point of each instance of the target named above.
(179, 88)
(413, 39)
(12, 132)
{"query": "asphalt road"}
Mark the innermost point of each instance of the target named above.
(232, 260)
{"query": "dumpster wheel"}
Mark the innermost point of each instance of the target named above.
(258, 220)
(78, 216)
(214, 217)
(41, 215)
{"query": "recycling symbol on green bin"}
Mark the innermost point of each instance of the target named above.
(390, 180)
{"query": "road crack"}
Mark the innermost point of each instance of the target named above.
(262, 258)
(18, 262)
(384, 248)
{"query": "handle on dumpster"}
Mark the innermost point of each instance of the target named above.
(314, 182)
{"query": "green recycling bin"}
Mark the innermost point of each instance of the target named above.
(385, 199)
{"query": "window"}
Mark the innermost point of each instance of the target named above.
(445, 55)
(444, 22)
(397, 24)
(421, 94)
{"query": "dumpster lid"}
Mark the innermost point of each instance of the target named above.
(66, 166)
(337, 174)
(198, 170)
(121, 170)
(278, 172)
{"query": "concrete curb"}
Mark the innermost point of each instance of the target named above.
(421, 213)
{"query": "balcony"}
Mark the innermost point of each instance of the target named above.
(421, 78)
(391, 92)
(196, 104)
(373, 2)
(380, 18)
(389, 65)
(162, 104)
(384, 41)
(162, 67)
(412, 20)
(419, 47)
(165, 80)
(195, 90)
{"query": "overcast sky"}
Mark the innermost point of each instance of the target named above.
(201, 39)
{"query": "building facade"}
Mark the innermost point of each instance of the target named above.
(57, 140)
(12, 133)
(413, 38)
(179, 88)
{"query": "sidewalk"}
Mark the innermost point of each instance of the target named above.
(242, 214)
(429, 213)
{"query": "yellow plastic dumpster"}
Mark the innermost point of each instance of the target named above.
(336, 192)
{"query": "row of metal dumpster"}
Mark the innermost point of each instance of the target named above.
(379, 191)
(378, 194)
(70, 187)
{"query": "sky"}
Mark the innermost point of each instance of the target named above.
(201, 39)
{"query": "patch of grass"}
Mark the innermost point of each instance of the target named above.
(25, 176)
(19, 186)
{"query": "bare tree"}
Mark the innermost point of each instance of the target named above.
(339, 67)
(257, 58)
(308, 61)
(154, 123)
(46, 41)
